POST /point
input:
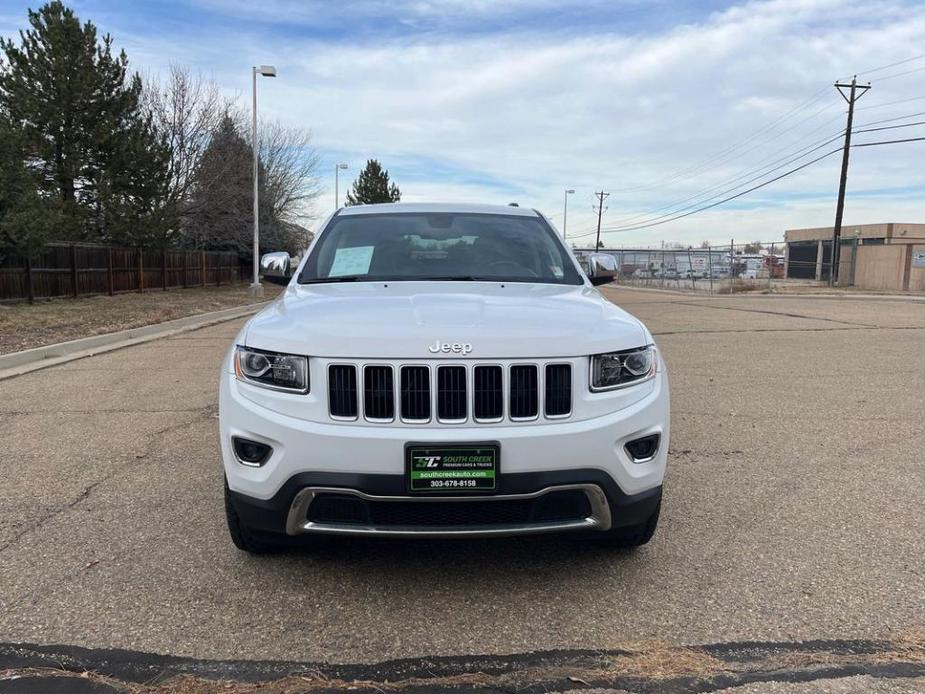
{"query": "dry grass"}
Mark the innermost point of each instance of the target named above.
(24, 326)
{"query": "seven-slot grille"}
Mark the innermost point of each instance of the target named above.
(448, 390)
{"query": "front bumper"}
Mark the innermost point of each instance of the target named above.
(289, 511)
(311, 459)
(568, 445)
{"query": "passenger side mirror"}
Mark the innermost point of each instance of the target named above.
(276, 267)
(602, 268)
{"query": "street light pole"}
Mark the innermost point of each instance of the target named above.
(256, 289)
(568, 191)
(337, 168)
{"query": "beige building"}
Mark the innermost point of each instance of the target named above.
(873, 256)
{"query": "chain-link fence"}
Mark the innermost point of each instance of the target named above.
(873, 264)
(716, 269)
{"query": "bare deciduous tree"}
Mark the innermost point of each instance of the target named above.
(209, 201)
(186, 110)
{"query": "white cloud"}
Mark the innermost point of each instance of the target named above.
(542, 109)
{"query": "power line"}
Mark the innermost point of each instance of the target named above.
(890, 120)
(898, 62)
(889, 127)
(856, 91)
(761, 144)
(655, 222)
(888, 142)
(899, 74)
(704, 165)
(764, 171)
(742, 174)
(725, 200)
(891, 103)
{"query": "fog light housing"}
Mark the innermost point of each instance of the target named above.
(250, 453)
(643, 450)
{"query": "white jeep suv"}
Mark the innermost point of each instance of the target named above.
(442, 371)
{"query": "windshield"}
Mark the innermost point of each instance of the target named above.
(438, 246)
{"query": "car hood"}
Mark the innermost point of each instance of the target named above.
(406, 320)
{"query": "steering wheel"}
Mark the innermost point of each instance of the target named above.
(513, 264)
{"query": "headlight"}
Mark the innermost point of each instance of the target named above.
(287, 372)
(621, 369)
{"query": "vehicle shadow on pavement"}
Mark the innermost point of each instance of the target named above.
(458, 560)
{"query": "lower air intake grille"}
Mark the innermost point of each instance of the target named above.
(451, 393)
(524, 395)
(342, 390)
(347, 509)
(378, 393)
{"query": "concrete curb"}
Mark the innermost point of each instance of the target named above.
(845, 296)
(18, 363)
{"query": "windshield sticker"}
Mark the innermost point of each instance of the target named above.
(351, 261)
(556, 271)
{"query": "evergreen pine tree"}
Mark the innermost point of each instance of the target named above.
(26, 220)
(81, 124)
(373, 186)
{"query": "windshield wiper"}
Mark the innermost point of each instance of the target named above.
(433, 278)
(453, 278)
(344, 278)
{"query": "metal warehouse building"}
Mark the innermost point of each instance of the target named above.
(873, 256)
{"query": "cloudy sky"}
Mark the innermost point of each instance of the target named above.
(668, 105)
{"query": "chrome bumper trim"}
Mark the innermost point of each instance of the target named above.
(296, 523)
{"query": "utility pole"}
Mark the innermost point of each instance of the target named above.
(568, 191)
(855, 93)
(601, 196)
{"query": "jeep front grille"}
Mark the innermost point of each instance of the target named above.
(452, 393)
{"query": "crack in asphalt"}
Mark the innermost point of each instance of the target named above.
(640, 668)
(117, 410)
(765, 330)
(776, 313)
(207, 413)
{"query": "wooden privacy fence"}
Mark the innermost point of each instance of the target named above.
(80, 269)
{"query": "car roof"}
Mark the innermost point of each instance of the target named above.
(437, 207)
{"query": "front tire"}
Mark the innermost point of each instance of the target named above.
(244, 537)
(630, 536)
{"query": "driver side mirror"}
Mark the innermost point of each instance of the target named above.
(602, 268)
(276, 267)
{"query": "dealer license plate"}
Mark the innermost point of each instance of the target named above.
(452, 467)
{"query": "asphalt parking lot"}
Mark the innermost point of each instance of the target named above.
(794, 509)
